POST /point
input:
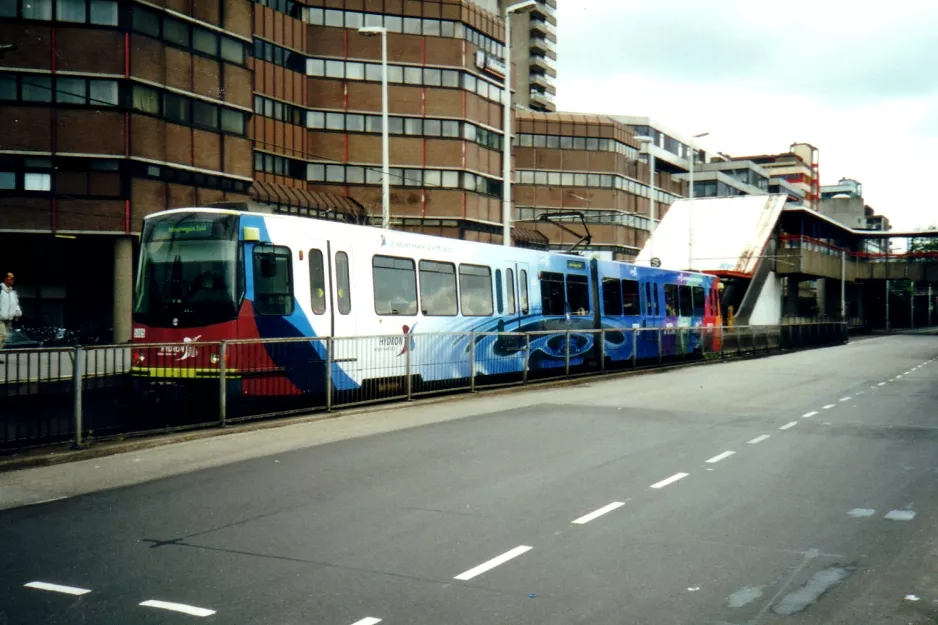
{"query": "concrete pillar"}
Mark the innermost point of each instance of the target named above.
(821, 296)
(790, 305)
(123, 288)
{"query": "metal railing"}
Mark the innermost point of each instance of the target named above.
(50, 396)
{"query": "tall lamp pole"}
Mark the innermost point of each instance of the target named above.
(690, 206)
(520, 7)
(372, 31)
(646, 143)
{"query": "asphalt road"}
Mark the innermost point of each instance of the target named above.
(792, 489)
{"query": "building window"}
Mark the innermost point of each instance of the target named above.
(37, 182)
(71, 91)
(273, 280)
(205, 115)
(37, 10)
(103, 12)
(7, 180)
(37, 88)
(177, 108)
(146, 100)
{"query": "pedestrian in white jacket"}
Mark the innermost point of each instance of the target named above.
(9, 307)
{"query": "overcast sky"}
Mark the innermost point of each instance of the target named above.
(856, 79)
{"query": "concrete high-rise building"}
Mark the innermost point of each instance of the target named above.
(534, 54)
(798, 167)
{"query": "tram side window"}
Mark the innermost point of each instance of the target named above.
(687, 302)
(698, 301)
(649, 310)
(499, 297)
(438, 289)
(475, 290)
(670, 300)
(631, 302)
(578, 294)
(510, 280)
(524, 291)
(612, 297)
(552, 296)
(395, 285)
(273, 280)
(317, 282)
(343, 295)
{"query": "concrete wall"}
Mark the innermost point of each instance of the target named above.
(768, 308)
(848, 211)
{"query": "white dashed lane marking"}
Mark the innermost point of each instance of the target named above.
(491, 564)
(595, 514)
(718, 457)
(177, 607)
(847, 398)
(759, 439)
(368, 620)
(881, 384)
(67, 590)
(674, 478)
(900, 515)
(808, 415)
(828, 406)
(861, 512)
(789, 425)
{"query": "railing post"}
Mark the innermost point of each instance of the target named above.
(222, 383)
(739, 344)
(472, 362)
(566, 357)
(329, 359)
(634, 348)
(77, 380)
(684, 341)
(602, 349)
(527, 357)
(658, 333)
(407, 363)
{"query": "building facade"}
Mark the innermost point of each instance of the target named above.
(534, 54)
(113, 110)
(798, 167)
(567, 163)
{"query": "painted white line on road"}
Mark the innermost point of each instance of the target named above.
(881, 384)
(860, 513)
(586, 518)
(847, 398)
(370, 620)
(68, 590)
(723, 456)
(827, 407)
(789, 425)
(491, 564)
(808, 415)
(674, 478)
(759, 439)
(900, 515)
(177, 607)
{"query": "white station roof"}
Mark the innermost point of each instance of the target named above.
(728, 233)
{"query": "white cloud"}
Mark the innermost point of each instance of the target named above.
(856, 83)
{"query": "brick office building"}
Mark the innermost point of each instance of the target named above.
(113, 110)
(592, 164)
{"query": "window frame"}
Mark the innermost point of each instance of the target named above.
(317, 310)
(343, 302)
(577, 279)
(612, 308)
(376, 282)
(289, 265)
(420, 272)
(462, 282)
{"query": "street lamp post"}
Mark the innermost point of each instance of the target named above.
(519, 7)
(372, 31)
(690, 206)
(646, 143)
